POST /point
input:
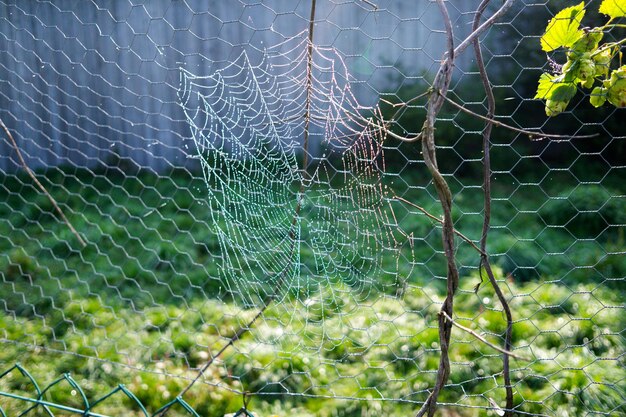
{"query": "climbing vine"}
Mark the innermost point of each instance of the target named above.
(592, 61)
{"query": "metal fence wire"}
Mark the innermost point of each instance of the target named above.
(223, 207)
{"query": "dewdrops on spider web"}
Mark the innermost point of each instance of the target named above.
(284, 229)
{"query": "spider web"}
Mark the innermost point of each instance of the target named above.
(283, 229)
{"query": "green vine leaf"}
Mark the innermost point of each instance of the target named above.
(564, 28)
(552, 88)
(588, 62)
(613, 8)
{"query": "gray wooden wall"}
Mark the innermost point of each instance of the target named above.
(88, 82)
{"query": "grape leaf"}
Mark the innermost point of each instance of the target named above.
(545, 86)
(564, 28)
(613, 8)
(551, 88)
(563, 92)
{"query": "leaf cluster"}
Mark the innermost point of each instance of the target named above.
(589, 61)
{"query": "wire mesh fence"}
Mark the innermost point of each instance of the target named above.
(225, 207)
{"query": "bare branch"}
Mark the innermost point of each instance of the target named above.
(438, 220)
(402, 138)
(371, 4)
(403, 105)
(485, 341)
(532, 135)
(482, 28)
(468, 40)
(40, 185)
(242, 330)
(484, 260)
(309, 93)
(429, 151)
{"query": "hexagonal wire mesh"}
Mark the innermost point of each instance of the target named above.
(248, 212)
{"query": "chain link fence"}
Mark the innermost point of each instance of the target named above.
(215, 204)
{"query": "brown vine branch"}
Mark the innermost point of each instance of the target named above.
(437, 219)
(309, 92)
(469, 39)
(532, 135)
(371, 4)
(484, 259)
(435, 101)
(231, 341)
(39, 184)
(485, 341)
(482, 28)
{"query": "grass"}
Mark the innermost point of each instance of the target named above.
(144, 300)
(378, 351)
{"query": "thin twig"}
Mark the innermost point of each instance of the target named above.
(371, 4)
(406, 103)
(437, 219)
(307, 123)
(40, 185)
(484, 260)
(533, 135)
(231, 341)
(396, 136)
(530, 133)
(384, 127)
(485, 341)
(309, 93)
(491, 109)
(356, 116)
(242, 330)
(482, 28)
(489, 119)
(475, 34)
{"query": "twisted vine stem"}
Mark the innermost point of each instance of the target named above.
(41, 187)
(484, 258)
(436, 99)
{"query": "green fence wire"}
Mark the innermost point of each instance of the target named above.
(38, 403)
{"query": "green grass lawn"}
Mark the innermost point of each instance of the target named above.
(143, 303)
